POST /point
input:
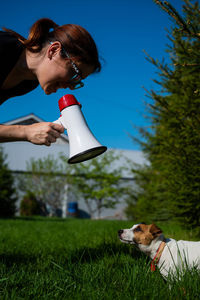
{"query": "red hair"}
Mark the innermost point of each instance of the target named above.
(75, 39)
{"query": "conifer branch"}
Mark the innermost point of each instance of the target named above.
(167, 7)
(186, 65)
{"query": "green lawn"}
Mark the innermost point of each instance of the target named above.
(81, 259)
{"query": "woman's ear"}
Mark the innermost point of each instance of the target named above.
(54, 49)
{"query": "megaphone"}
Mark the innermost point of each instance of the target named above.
(82, 143)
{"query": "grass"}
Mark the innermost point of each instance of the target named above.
(44, 258)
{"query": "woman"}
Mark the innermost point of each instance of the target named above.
(52, 56)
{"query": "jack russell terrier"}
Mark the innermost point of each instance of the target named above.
(170, 256)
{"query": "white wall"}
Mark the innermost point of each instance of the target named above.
(18, 153)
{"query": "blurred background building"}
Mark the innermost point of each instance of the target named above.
(19, 153)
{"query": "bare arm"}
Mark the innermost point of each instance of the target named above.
(43, 133)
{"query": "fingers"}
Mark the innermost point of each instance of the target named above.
(57, 127)
(53, 133)
(56, 131)
(47, 143)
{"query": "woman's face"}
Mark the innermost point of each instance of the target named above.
(55, 72)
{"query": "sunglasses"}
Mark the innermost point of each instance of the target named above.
(76, 79)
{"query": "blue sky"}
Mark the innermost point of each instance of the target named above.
(113, 100)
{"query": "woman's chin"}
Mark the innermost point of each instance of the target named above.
(50, 91)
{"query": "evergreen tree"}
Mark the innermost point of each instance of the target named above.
(170, 186)
(7, 190)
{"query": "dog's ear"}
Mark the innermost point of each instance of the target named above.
(155, 230)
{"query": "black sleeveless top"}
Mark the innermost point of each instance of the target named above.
(10, 51)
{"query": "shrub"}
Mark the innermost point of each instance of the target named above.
(29, 205)
(7, 190)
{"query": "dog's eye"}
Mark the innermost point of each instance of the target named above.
(137, 229)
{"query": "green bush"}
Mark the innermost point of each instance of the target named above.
(29, 205)
(7, 190)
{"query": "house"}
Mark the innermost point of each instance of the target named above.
(19, 153)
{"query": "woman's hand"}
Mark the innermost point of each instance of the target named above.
(43, 133)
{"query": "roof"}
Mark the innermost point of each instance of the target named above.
(25, 120)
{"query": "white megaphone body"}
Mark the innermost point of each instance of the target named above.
(82, 143)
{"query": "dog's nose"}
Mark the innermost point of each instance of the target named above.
(120, 231)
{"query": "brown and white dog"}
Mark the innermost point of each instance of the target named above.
(171, 256)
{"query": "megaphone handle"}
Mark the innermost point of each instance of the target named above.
(59, 121)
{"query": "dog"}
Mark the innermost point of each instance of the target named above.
(170, 256)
